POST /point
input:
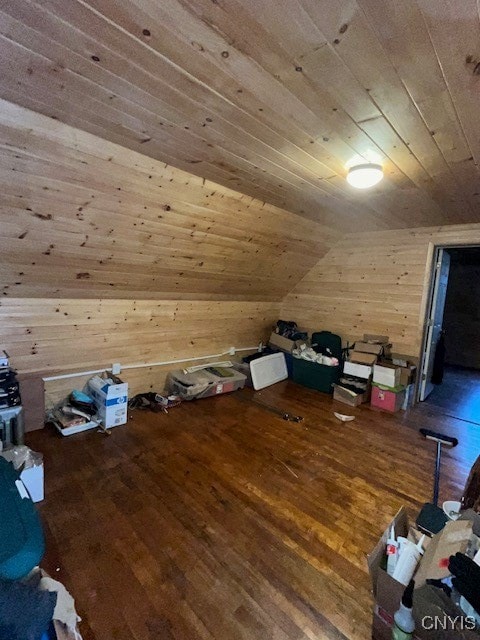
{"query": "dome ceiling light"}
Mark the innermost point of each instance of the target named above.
(364, 176)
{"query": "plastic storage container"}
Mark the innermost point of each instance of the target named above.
(315, 376)
(204, 383)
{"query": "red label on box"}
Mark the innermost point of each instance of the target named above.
(384, 615)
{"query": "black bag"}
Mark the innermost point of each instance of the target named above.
(328, 344)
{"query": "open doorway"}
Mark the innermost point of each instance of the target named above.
(450, 380)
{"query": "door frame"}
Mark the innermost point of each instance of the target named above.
(427, 299)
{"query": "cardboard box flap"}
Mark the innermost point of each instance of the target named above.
(375, 558)
(407, 375)
(363, 358)
(284, 344)
(452, 538)
(373, 338)
(403, 360)
(474, 518)
(111, 387)
(386, 364)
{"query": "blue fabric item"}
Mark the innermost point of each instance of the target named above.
(50, 633)
(25, 611)
(79, 396)
(22, 543)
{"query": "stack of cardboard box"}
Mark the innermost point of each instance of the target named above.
(387, 392)
(354, 387)
(373, 373)
(408, 373)
(393, 383)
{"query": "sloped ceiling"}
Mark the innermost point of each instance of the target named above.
(81, 217)
(269, 97)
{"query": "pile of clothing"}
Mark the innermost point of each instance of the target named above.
(289, 329)
(308, 353)
(37, 607)
(76, 410)
(155, 402)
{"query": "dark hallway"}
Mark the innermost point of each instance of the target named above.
(459, 394)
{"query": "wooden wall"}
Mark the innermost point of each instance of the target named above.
(83, 217)
(374, 283)
(110, 256)
(48, 336)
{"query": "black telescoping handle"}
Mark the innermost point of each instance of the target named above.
(439, 437)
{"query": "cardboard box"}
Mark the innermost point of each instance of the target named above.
(279, 342)
(388, 592)
(373, 337)
(387, 399)
(369, 347)
(452, 538)
(386, 374)
(111, 399)
(407, 375)
(357, 370)
(377, 339)
(347, 396)
(403, 360)
(362, 358)
(284, 344)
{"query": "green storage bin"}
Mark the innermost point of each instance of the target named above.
(315, 376)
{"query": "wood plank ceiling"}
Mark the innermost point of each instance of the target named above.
(269, 97)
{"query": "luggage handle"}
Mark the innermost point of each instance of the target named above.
(440, 438)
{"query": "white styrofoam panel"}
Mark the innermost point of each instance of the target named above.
(268, 370)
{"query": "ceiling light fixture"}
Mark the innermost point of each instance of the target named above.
(364, 176)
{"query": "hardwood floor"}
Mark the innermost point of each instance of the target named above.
(458, 395)
(222, 521)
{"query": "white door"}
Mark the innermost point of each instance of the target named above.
(435, 321)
